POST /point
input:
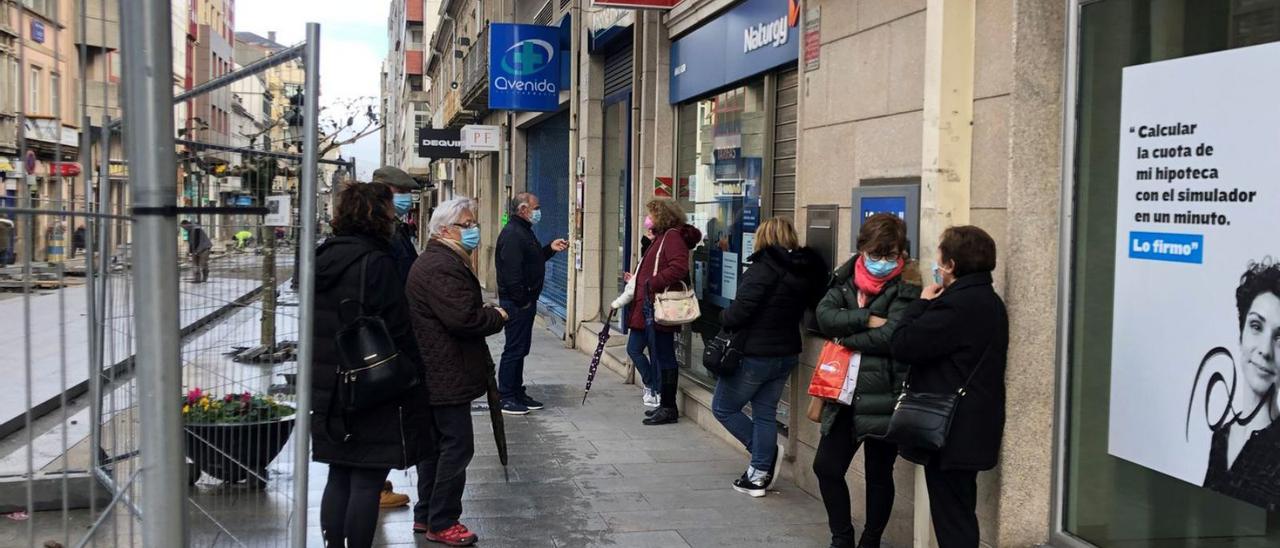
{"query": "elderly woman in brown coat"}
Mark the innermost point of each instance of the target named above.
(451, 322)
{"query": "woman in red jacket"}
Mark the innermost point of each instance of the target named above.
(665, 264)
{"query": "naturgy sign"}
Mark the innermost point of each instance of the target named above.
(754, 36)
(524, 67)
(773, 33)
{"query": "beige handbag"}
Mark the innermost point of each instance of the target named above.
(673, 306)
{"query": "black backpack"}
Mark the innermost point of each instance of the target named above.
(371, 370)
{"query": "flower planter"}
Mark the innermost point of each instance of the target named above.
(235, 452)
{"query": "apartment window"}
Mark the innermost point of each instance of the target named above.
(55, 94)
(415, 37)
(15, 92)
(6, 89)
(33, 99)
(41, 6)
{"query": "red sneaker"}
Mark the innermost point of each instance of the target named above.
(458, 535)
(419, 527)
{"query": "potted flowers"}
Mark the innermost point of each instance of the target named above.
(233, 438)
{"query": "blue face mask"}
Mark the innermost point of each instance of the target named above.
(536, 217)
(471, 238)
(403, 203)
(880, 268)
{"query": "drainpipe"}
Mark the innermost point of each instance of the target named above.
(575, 238)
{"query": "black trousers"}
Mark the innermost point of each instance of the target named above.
(953, 505)
(349, 507)
(442, 476)
(835, 454)
(519, 339)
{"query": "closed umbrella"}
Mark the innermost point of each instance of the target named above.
(595, 358)
(499, 428)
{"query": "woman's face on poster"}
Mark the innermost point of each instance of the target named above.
(1259, 342)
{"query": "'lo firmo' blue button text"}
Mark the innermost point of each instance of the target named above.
(1157, 246)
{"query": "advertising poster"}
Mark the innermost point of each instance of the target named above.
(1196, 328)
(278, 211)
(748, 244)
(729, 276)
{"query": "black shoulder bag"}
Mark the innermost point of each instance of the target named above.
(722, 355)
(922, 420)
(371, 371)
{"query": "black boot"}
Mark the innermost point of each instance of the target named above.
(664, 415)
(667, 413)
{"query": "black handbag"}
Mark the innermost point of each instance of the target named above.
(922, 420)
(371, 370)
(722, 354)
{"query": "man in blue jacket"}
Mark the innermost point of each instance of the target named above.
(521, 266)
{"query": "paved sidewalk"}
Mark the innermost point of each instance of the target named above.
(593, 475)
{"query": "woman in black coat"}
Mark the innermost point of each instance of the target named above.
(783, 281)
(361, 448)
(956, 338)
(451, 322)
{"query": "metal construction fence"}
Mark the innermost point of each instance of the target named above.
(151, 368)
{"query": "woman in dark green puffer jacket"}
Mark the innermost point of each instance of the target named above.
(867, 297)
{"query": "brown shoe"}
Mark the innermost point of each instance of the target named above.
(392, 499)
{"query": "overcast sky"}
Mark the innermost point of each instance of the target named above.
(353, 42)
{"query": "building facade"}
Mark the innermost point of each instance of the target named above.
(405, 108)
(1005, 114)
(41, 120)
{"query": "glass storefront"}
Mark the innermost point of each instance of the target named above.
(720, 161)
(1108, 501)
(616, 235)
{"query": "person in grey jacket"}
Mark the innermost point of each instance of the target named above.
(861, 310)
(198, 248)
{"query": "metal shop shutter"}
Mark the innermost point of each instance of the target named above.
(786, 114)
(617, 71)
(547, 175)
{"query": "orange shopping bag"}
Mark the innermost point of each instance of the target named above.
(832, 372)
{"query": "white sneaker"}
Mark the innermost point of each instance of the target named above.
(651, 398)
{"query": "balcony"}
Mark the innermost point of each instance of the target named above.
(94, 103)
(475, 75)
(96, 33)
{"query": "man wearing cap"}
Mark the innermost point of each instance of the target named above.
(403, 249)
(404, 252)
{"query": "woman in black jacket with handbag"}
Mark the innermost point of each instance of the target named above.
(783, 280)
(867, 299)
(956, 340)
(362, 447)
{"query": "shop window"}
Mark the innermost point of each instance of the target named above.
(1109, 501)
(720, 163)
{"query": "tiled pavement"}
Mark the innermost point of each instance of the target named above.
(580, 475)
(593, 475)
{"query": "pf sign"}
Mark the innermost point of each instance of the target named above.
(480, 138)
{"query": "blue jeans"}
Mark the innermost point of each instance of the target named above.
(759, 381)
(519, 333)
(637, 342)
(662, 345)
